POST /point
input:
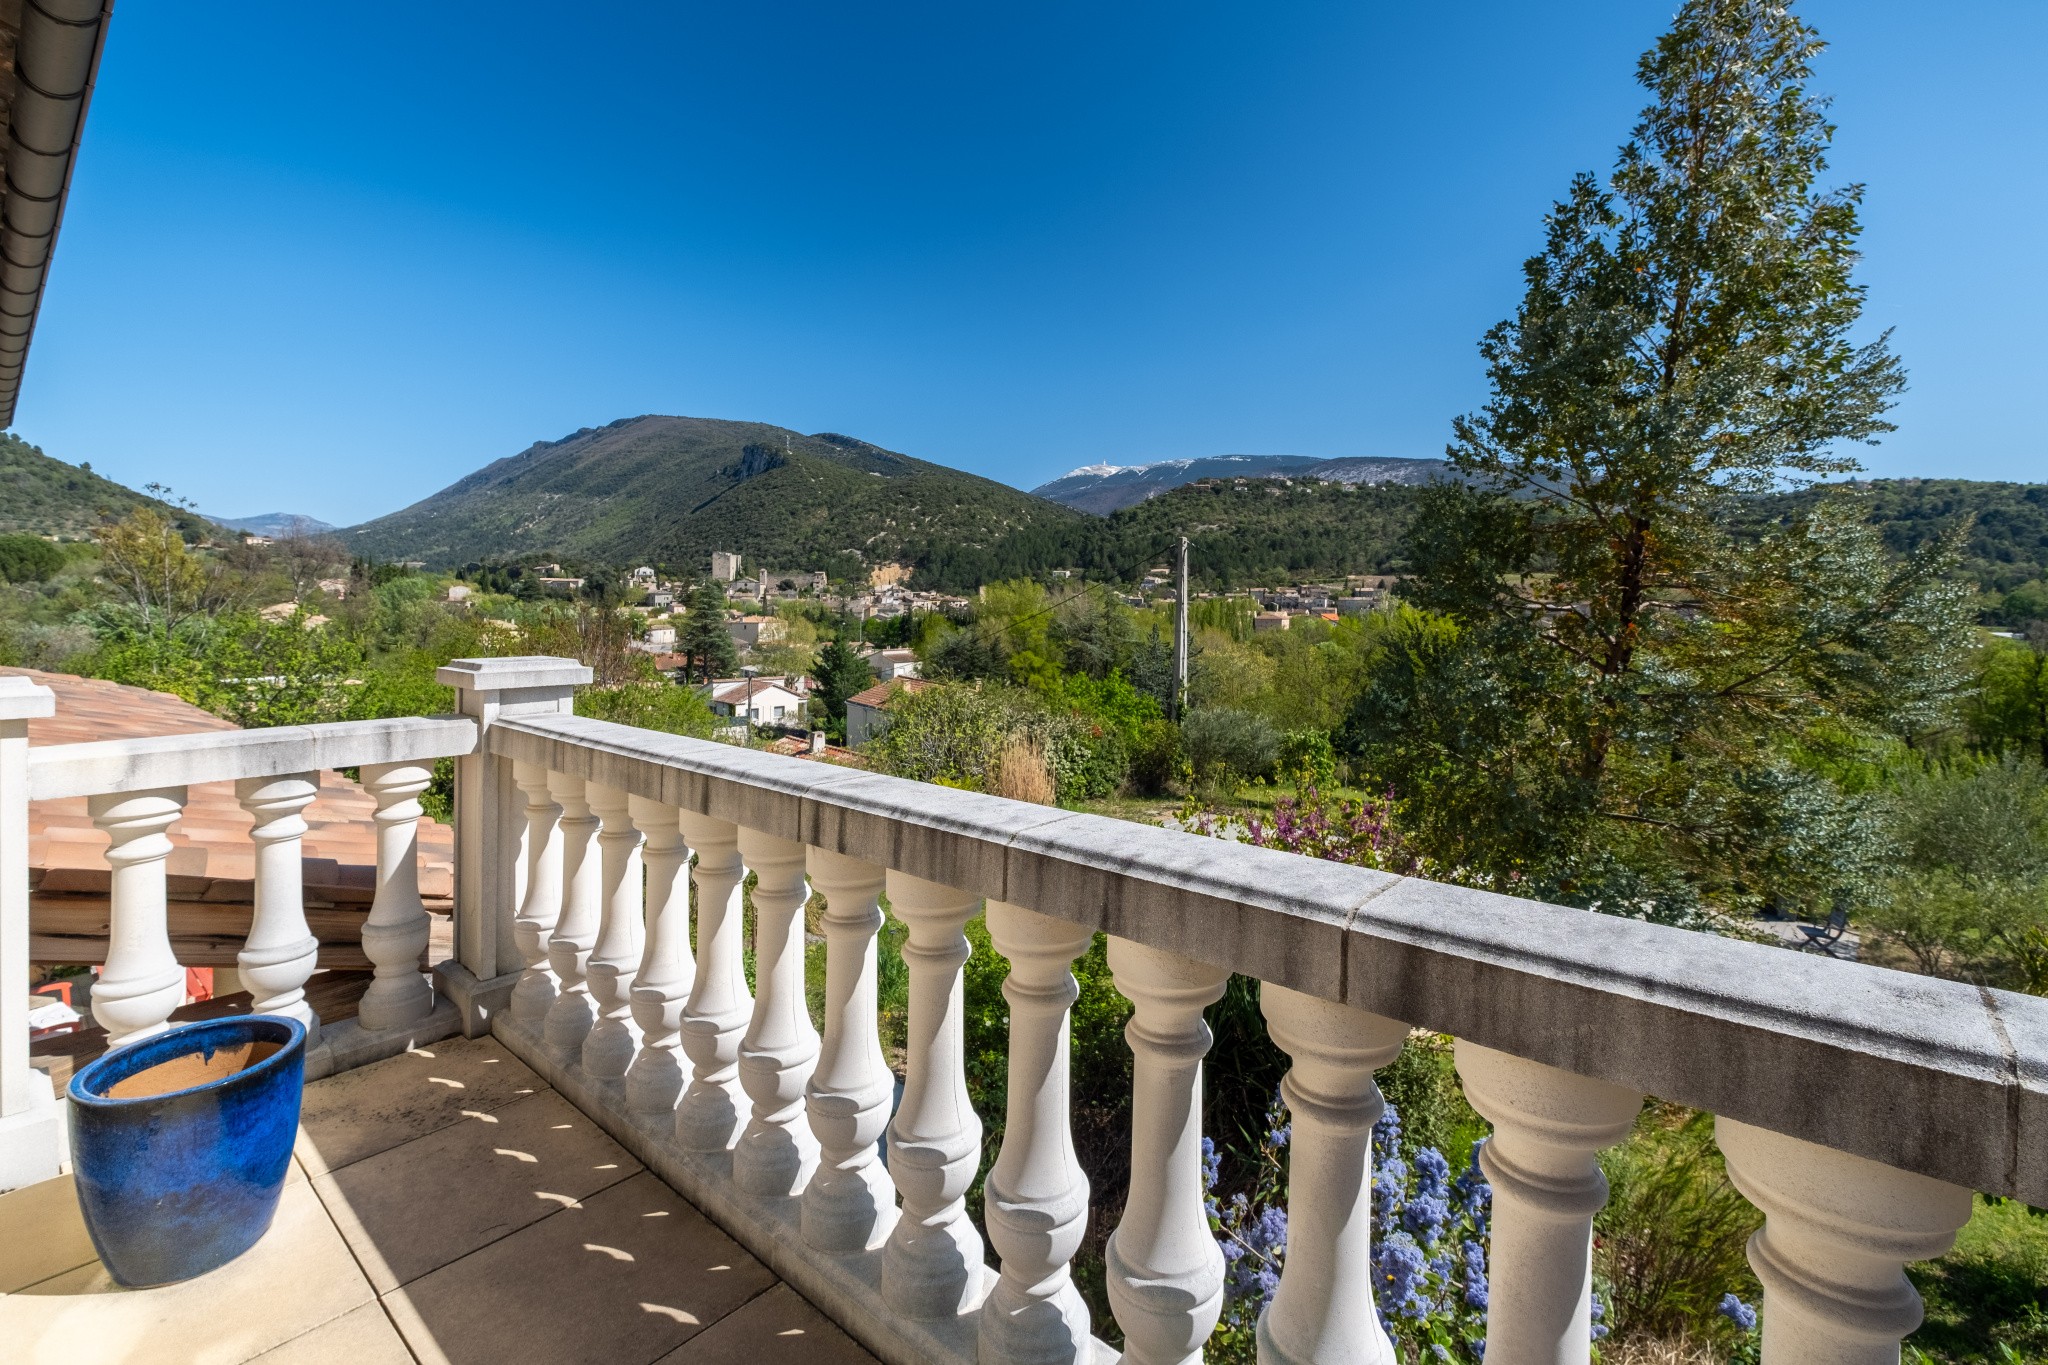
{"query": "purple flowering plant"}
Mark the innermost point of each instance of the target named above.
(1430, 1229)
(1341, 829)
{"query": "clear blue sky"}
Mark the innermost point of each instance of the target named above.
(328, 258)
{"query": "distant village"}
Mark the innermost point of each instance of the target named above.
(764, 698)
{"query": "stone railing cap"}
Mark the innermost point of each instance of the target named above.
(21, 699)
(519, 671)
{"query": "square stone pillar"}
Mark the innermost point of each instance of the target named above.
(31, 1122)
(490, 826)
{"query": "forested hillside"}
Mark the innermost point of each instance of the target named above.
(2007, 550)
(1240, 532)
(670, 490)
(47, 497)
(1257, 531)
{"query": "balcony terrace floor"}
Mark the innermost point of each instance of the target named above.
(443, 1206)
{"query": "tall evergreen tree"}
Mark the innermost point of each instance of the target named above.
(705, 643)
(1630, 684)
(840, 673)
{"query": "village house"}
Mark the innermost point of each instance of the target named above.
(893, 663)
(751, 632)
(660, 638)
(867, 713)
(760, 701)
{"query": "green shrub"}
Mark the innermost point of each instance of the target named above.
(1156, 760)
(1226, 746)
(29, 559)
(1306, 758)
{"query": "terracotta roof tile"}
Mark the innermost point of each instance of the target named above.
(880, 693)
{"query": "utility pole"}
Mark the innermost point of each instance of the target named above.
(1180, 639)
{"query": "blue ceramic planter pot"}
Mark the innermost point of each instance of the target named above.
(181, 1142)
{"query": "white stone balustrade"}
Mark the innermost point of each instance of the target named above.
(570, 1016)
(1323, 1312)
(135, 791)
(777, 1152)
(563, 820)
(1164, 1266)
(655, 1080)
(709, 1117)
(1838, 1232)
(931, 1264)
(541, 906)
(850, 1203)
(141, 982)
(281, 952)
(1543, 1161)
(395, 935)
(1036, 1207)
(613, 1039)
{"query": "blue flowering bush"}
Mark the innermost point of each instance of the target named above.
(1430, 1228)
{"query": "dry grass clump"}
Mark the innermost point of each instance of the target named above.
(1678, 1350)
(1021, 772)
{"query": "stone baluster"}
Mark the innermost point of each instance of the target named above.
(1036, 1200)
(777, 1152)
(1838, 1231)
(662, 985)
(709, 1116)
(932, 1263)
(1543, 1160)
(541, 906)
(281, 952)
(1165, 1270)
(570, 1017)
(850, 1204)
(141, 981)
(613, 1039)
(395, 935)
(1323, 1312)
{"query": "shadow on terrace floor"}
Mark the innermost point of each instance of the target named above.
(444, 1205)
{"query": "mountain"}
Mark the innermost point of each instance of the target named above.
(47, 497)
(670, 490)
(1359, 469)
(1106, 488)
(275, 524)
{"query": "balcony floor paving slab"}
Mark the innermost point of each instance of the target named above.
(577, 1255)
(374, 1108)
(361, 1336)
(626, 1275)
(414, 1208)
(299, 1277)
(778, 1328)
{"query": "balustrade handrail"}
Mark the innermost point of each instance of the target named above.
(109, 766)
(1941, 1078)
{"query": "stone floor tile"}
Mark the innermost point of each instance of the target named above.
(374, 1108)
(626, 1276)
(778, 1328)
(361, 1336)
(416, 1207)
(299, 1276)
(41, 1234)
